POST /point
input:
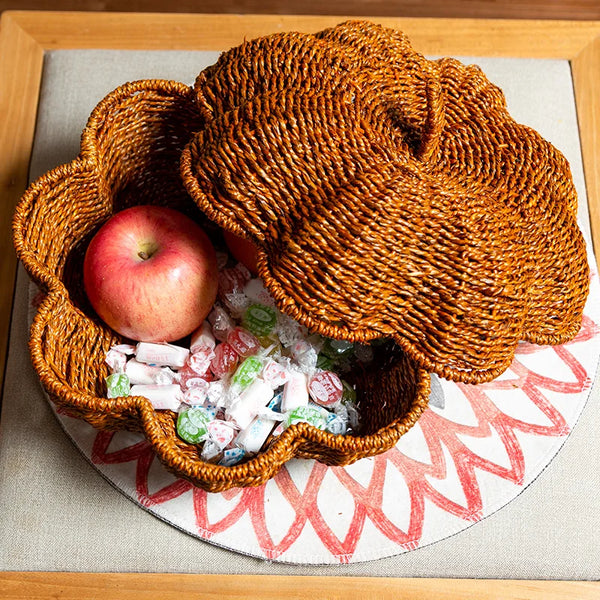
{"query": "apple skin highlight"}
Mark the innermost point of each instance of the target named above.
(151, 274)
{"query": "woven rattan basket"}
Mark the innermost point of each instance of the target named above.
(130, 155)
(389, 196)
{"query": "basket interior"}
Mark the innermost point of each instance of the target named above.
(130, 155)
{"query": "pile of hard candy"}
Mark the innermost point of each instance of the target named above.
(249, 372)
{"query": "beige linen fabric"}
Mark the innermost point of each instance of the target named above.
(58, 513)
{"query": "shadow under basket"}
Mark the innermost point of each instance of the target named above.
(130, 155)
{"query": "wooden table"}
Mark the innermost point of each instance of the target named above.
(25, 36)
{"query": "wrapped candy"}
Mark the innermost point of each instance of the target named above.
(305, 354)
(274, 373)
(311, 414)
(225, 360)
(217, 393)
(232, 456)
(202, 338)
(252, 438)
(117, 385)
(245, 407)
(337, 348)
(295, 391)
(127, 349)
(200, 360)
(188, 378)
(221, 433)
(246, 373)
(116, 360)
(336, 424)
(256, 292)
(243, 342)
(279, 429)
(221, 322)
(260, 319)
(164, 355)
(250, 372)
(210, 452)
(236, 302)
(325, 388)
(196, 396)
(165, 376)
(211, 411)
(348, 412)
(288, 331)
(142, 373)
(232, 282)
(162, 397)
(192, 425)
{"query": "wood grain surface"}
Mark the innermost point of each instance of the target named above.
(137, 586)
(21, 59)
(488, 9)
(25, 36)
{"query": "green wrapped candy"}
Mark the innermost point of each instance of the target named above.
(324, 362)
(307, 414)
(335, 349)
(117, 385)
(192, 425)
(260, 319)
(247, 372)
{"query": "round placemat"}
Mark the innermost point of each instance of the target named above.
(474, 450)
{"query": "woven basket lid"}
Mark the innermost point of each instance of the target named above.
(390, 196)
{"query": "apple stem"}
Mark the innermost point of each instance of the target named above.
(143, 255)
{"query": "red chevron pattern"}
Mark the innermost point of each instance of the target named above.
(277, 515)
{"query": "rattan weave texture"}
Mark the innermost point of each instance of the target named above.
(130, 154)
(390, 195)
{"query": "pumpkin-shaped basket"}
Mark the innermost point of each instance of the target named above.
(368, 178)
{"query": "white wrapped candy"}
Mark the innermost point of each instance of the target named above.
(162, 397)
(142, 373)
(274, 373)
(295, 391)
(218, 393)
(202, 338)
(163, 355)
(306, 355)
(221, 433)
(200, 360)
(116, 361)
(257, 293)
(252, 438)
(244, 408)
(196, 396)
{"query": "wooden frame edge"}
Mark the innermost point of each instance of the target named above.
(21, 60)
(24, 38)
(113, 586)
(585, 68)
(177, 31)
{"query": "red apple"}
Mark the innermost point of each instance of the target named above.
(151, 274)
(243, 250)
